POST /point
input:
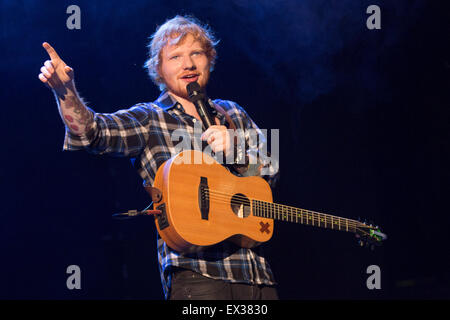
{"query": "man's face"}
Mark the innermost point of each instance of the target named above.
(184, 63)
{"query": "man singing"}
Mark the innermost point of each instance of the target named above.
(181, 51)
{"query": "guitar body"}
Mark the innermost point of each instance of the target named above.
(204, 204)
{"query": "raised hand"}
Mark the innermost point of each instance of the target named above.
(55, 73)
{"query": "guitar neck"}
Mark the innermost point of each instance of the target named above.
(307, 217)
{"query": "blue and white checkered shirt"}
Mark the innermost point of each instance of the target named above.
(143, 133)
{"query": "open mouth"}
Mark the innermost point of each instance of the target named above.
(190, 77)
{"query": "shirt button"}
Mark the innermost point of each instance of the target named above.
(195, 120)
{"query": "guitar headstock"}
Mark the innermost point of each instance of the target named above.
(369, 235)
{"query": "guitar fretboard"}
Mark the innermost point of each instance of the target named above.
(302, 216)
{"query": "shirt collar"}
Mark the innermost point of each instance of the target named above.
(165, 101)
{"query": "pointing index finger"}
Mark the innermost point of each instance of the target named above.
(51, 52)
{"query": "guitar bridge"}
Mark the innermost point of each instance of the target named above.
(203, 197)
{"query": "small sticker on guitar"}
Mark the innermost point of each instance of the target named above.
(264, 227)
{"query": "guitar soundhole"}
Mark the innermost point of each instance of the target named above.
(240, 205)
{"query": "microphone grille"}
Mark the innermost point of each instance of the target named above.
(194, 91)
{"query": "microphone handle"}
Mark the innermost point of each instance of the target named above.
(208, 120)
(204, 113)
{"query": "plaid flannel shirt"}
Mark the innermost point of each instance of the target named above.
(143, 133)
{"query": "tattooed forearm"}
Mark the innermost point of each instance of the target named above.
(74, 113)
(85, 117)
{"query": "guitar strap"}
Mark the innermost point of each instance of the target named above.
(219, 109)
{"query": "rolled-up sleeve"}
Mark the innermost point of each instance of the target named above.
(122, 134)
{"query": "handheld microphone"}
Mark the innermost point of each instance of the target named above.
(199, 99)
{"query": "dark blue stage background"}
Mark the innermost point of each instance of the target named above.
(363, 118)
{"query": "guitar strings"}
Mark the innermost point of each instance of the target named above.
(311, 216)
(226, 197)
(313, 222)
(221, 196)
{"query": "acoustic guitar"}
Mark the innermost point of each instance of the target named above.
(200, 204)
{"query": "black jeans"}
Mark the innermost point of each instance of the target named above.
(189, 285)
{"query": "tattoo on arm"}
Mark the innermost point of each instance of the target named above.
(74, 110)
